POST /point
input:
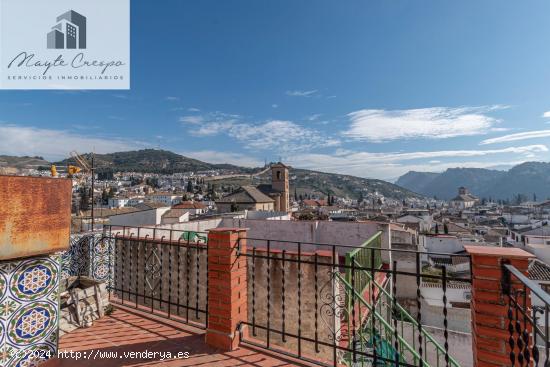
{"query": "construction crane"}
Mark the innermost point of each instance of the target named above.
(85, 166)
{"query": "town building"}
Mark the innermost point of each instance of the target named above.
(245, 198)
(146, 214)
(464, 199)
(166, 198)
(193, 207)
(271, 197)
(279, 189)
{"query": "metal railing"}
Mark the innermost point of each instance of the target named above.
(527, 313)
(388, 321)
(336, 304)
(160, 271)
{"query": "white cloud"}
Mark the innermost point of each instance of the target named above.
(193, 109)
(546, 114)
(211, 156)
(57, 144)
(314, 117)
(172, 98)
(192, 119)
(433, 123)
(518, 136)
(301, 93)
(213, 128)
(392, 165)
(279, 135)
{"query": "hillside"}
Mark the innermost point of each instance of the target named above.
(10, 165)
(151, 161)
(320, 184)
(526, 179)
(305, 181)
(22, 162)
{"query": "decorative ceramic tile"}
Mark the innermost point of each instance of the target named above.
(88, 255)
(29, 309)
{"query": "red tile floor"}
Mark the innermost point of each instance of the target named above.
(127, 330)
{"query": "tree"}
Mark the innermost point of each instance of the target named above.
(153, 182)
(189, 186)
(436, 228)
(306, 216)
(445, 228)
(295, 194)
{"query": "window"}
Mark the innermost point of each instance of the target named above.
(278, 175)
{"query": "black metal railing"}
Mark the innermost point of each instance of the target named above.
(306, 301)
(161, 271)
(527, 313)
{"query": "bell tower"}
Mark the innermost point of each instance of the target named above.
(279, 183)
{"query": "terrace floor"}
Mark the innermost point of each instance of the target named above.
(127, 330)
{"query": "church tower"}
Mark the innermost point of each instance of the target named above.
(279, 183)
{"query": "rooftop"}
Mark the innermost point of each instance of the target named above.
(538, 270)
(189, 205)
(540, 231)
(246, 194)
(150, 205)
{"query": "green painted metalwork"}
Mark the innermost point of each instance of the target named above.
(363, 258)
(193, 236)
(385, 311)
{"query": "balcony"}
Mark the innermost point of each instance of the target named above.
(325, 304)
(131, 337)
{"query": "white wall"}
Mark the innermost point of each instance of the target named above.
(444, 244)
(540, 251)
(323, 232)
(142, 218)
(267, 215)
(173, 220)
(433, 293)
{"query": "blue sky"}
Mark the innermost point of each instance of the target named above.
(369, 88)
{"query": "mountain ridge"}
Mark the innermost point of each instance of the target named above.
(526, 180)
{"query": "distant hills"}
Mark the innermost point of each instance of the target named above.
(524, 179)
(22, 162)
(11, 165)
(151, 161)
(305, 182)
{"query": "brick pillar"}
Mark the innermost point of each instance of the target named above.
(227, 287)
(489, 304)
